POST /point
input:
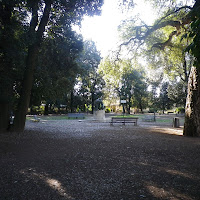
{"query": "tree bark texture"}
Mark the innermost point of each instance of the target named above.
(4, 116)
(20, 117)
(192, 109)
(72, 102)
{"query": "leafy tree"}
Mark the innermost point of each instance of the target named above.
(184, 19)
(91, 81)
(164, 101)
(192, 120)
(12, 57)
(133, 89)
(176, 93)
(111, 72)
(126, 81)
(57, 69)
(44, 14)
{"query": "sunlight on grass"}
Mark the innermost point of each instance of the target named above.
(49, 117)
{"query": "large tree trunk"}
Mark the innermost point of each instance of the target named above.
(36, 37)
(72, 102)
(20, 117)
(93, 99)
(141, 108)
(5, 102)
(46, 109)
(6, 65)
(4, 116)
(192, 109)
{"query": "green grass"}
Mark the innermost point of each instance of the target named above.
(164, 120)
(58, 117)
(168, 120)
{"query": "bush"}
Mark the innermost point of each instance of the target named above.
(180, 110)
(108, 110)
(152, 110)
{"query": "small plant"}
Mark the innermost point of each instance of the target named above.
(108, 110)
(180, 110)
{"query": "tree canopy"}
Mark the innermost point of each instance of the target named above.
(175, 31)
(24, 25)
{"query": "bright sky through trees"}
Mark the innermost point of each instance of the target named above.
(103, 29)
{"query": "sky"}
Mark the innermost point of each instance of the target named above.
(103, 29)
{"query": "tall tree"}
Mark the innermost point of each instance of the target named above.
(192, 119)
(91, 81)
(56, 72)
(185, 22)
(128, 83)
(42, 14)
(13, 42)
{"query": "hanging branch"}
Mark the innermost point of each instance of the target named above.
(142, 35)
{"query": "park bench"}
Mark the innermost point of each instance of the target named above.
(148, 118)
(124, 120)
(76, 115)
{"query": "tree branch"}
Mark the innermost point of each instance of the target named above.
(162, 46)
(173, 12)
(141, 36)
(44, 19)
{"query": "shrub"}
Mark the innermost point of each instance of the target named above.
(108, 110)
(180, 110)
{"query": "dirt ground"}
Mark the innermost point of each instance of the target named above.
(88, 160)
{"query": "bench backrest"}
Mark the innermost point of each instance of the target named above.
(125, 119)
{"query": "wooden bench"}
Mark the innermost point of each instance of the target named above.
(76, 115)
(124, 120)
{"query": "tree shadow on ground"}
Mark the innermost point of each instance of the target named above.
(135, 164)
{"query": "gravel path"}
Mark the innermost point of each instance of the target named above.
(87, 160)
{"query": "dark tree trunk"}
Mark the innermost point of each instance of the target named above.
(6, 67)
(93, 99)
(72, 102)
(36, 37)
(46, 109)
(5, 105)
(129, 105)
(123, 108)
(141, 108)
(163, 105)
(192, 109)
(20, 117)
(4, 116)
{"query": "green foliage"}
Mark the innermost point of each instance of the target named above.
(152, 110)
(163, 44)
(89, 82)
(195, 34)
(108, 110)
(176, 93)
(13, 41)
(124, 81)
(180, 110)
(57, 69)
(24, 26)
